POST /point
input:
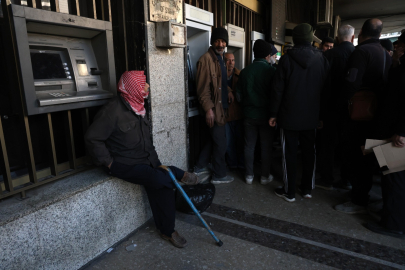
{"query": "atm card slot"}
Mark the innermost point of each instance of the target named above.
(92, 84)
(48, 87)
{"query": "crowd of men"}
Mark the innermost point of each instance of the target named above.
(306, 97)
(307, 91)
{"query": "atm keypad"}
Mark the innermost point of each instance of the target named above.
(61, 94)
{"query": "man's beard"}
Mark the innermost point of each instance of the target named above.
(219, 52)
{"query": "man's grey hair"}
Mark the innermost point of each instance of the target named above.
(345, 32)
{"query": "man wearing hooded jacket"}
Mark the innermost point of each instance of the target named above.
(295, 106)
(119, 140)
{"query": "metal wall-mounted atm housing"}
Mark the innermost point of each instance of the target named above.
(199, 23)
(236, 44)
(66, 62)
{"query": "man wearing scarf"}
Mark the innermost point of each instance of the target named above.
(119, 139)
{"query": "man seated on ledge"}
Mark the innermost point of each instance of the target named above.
(119, 139)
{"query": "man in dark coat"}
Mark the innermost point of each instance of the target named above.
(393, 122)
(295, 106)
(336, 112)
(119, 139)
(367, 70)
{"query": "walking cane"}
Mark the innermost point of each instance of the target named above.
(219, 242)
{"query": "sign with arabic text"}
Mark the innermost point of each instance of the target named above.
(166, 10)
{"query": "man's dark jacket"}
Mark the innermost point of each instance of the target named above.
(338, 58)
(118, 134)
(297, 86)
(392, 118)
(365, 68)
(366, 72)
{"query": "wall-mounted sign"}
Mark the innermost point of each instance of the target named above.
(165, 10)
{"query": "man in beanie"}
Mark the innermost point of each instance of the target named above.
(295, 106)
(327, 44)
(119, 139)
(368, 68)
(214, 96)
(253, 90)
(273, 56)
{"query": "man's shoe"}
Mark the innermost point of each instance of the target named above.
(249, 179)
(343, 185)
(319, 183)
(381, 230)
(305, 193)
(189, 179)
(223, 180)
(265, 180)
(282, 194)
(177, 240)
(350, 208)
(198, 171)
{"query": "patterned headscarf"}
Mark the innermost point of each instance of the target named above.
(131, 86)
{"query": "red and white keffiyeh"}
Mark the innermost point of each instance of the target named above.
(131, 86)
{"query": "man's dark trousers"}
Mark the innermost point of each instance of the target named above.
(332, 138)
(393, 191)
(215, 145)
(289, 141)
(159, 188)
(253, 129)
(362, 182)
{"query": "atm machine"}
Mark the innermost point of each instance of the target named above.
(236, 44)
(199, 23)
(255, 36)
(66, 62)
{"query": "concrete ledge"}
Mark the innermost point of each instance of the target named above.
(66, 224)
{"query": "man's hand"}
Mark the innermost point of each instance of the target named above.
(398, 53)
(230, 97)
(320, 125)
(398, 141)
(109, 166)
(273, 121)
(209, 118)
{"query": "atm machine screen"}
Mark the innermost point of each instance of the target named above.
(47, 66)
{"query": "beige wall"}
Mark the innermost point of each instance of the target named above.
(252, 4)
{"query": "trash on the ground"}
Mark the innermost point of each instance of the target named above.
(227, 250)
(109, 250)
(131, 247)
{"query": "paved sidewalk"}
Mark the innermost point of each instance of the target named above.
(261, 231)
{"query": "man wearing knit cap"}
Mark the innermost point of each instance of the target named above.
(295, 106)
(214, 96)
(253, 90)
(119, 139)
(273, 56)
